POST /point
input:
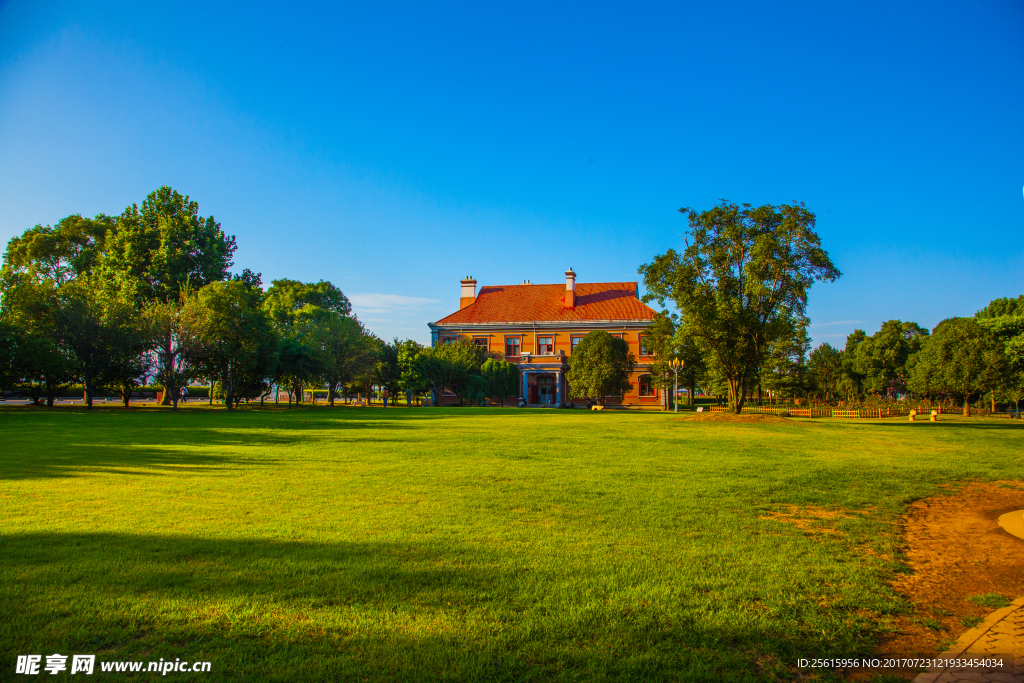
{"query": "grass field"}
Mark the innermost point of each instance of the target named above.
(462, 544)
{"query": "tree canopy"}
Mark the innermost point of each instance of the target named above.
(600, 366)
(741, 282)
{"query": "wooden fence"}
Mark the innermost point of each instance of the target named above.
(898, 411)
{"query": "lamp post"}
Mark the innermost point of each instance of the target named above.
(676, 365)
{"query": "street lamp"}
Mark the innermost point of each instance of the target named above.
(676, 365)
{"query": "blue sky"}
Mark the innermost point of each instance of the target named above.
(393, 149)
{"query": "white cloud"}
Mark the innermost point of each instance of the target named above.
(380, 303)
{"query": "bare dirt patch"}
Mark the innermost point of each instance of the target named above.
(807, 518)
(733, 418)
(956, 550)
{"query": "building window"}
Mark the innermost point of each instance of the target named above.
(545, 346)
(647, 387)
(645, 347)
(574, 340)
(511, 346)
(481, 342)
(450, 340)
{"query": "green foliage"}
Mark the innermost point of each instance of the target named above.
(825, 369)
(449, 366)
(57, 253)
(155, 252)
(292, 304)
(346, 350)
(411, 379)
(501, 379)
(237, 338)
(961, 359)
(386, 371)
(881, 359)
(741, 283)
(998, 308)
(784, 372)
(600, 366)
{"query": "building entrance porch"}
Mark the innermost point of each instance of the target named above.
(545, 389)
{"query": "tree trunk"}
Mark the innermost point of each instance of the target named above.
(330, 392)
(51, 394)
(87, 395)
(737, 393)
(967, 405)
(229, 392)
(993, 402)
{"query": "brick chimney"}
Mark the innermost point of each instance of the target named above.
(468, 292)
(570, 289)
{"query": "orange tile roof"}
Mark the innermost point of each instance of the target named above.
(529, 303)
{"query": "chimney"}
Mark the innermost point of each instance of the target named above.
(570, 289)
(468, 292)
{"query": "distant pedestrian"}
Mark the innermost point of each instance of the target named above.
(184, 394)
(385, 395)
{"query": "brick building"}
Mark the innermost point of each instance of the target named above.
(537, 327)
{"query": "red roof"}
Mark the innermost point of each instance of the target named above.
(528, 303)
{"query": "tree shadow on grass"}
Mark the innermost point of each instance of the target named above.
(268, 610)
(55, 445)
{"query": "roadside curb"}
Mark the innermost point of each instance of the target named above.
(1002, 630)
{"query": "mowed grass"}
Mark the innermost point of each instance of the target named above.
(463, 544)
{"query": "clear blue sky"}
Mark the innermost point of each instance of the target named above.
(394, 149)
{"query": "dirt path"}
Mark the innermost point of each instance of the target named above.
(959, 557)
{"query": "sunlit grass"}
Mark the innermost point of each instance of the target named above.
(462, 544)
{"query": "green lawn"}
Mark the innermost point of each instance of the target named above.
(461, 544)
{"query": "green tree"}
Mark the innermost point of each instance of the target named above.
(387, 374)
(91, 328)
(825, 368)
(448, 366)
(57, 253)
(237, 336)
(741, 283)
(37, 265)
(784, 371)
(291, 303)
(411, 379)
(1006, 306)
(853, 379)
(346, 351)
(961, 358)
(881, 359)
(502, 379)
(600, 366)
(667, 340)
(157, 250)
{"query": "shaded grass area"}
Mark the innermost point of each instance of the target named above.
(463, 544)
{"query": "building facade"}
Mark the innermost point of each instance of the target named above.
(538, 326)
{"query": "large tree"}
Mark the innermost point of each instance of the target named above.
(157, 250)
(239, 341)
(961, 358)
(345, 349)
(38, 267)
(741, 283)
(600, 366)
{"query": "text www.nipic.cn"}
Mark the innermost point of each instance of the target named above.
(85, 664)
